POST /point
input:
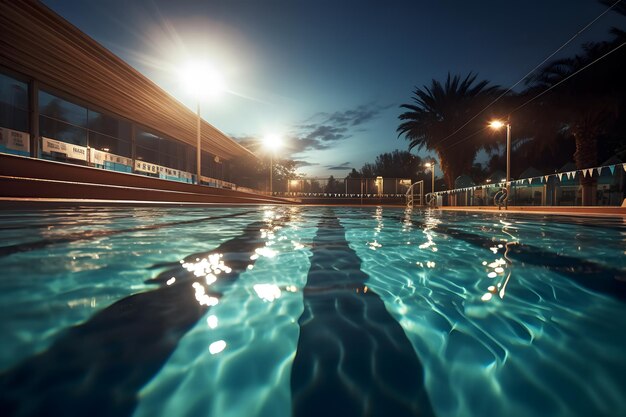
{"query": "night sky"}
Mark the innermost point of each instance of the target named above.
(329, 75)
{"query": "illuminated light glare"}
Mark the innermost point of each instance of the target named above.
(202, 297)
(492, 275)
(491, 288)
(373, 245)
(494, 249)
(499, 270)
(202, 80)
(217, 347)
(211, 321)
(430, 264)
(297, 245)
(496, 124)
(250, 266)
(435, 249)
(267, 292)
(291, 288)
(210, 279)
(487, 296)
(254, 257)
(171, 281)
(272, 142)
(484, 262)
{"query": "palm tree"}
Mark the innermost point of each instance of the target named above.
(438, 111)
(584, 106)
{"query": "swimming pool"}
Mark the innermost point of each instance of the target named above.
(279, 311)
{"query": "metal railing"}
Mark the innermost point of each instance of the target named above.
(411, 196)
(385, 188)
(605, 184)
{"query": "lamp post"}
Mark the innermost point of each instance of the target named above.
(497, 124)
(431, 165)
(272, 143)
(198, 145)
(202, 81)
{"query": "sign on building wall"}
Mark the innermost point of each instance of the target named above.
(68, 149)
(12, 139)
(100, 157)
(146, 167)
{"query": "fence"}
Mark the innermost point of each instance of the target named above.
(558, 189)
(343, 187)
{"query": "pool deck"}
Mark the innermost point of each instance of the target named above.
(594, 211)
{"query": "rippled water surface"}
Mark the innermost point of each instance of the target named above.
(279, 311)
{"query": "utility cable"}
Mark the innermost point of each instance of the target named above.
(531, 71)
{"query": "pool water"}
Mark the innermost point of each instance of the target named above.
(281, 311)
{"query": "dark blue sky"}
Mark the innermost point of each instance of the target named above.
(329, 75)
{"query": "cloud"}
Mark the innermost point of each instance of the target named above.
(328, 133)
(301, 164)
(322, 130)
(341, 167)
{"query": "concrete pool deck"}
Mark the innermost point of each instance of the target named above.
(595, 211)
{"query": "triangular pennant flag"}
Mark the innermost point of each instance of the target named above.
(585, 171)
(530, 180)
(569, 175)
(612, 168)
(546, 177)
(560, 174)
(624, 166)
(573, 174)
(599, 170)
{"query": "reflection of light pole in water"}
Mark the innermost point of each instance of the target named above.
(272, 143)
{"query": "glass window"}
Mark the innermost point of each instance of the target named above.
(109, 144)
(147, 155)
(58, 130)
(13, 104)
(108, 125)
(147, 140)
(60, 109)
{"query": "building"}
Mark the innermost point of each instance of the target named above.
(67, 100)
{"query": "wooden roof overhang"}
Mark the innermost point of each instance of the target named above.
(38, 43)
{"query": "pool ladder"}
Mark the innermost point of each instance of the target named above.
(413, 198)
(501, 198)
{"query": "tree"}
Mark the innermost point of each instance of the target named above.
(583, 103)
(332, 186)
(440, 109)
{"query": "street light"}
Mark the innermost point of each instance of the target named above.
(272, 143)
(431, 165)
(202, 81)
(497, 124)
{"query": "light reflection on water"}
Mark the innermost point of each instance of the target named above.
(496, 335)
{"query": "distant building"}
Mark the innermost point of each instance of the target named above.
(65, 98)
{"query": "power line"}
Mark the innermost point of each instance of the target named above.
(545, 91)
(569, 76)
(531, 71)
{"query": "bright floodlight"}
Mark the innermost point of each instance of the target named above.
(496, 124)
(202, 80)
(272, 142)
(428, 164)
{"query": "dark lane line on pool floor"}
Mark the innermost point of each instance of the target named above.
(97, 368)
(353, 357)
(590, 275)
(73, 237)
